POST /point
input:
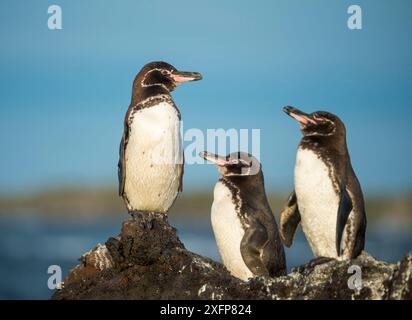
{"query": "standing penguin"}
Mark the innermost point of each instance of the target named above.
(244, 226)
(328, 199)
(151, 155)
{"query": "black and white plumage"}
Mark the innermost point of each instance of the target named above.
(327, 199)
(151, 155)
(244, 226)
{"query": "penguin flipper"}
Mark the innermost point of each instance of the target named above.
(121, 166)
(345, 208)
(289, 220)
(355, 242)
(182, 168)
(121, 172)
(360, 227)
(254, 239)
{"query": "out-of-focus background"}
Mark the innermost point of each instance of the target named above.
(64, 93)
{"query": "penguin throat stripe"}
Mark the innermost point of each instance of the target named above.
(237, 200)
(152, 101)
(156, 98)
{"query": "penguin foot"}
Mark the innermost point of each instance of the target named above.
(312, 263)
(146, 219)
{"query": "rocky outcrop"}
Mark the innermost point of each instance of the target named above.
(150, 262)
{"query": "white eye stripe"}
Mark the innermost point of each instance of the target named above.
(246, 163)
(241, 161)
(323, 119)
(152, 70)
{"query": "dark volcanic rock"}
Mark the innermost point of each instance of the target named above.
(144, 263)
(401, 287)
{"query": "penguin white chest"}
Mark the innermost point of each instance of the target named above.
(228, 232)
(153, 158)
(318, 203)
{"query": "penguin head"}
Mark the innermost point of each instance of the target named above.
(162, 74)
(319, 123)
(240, 164)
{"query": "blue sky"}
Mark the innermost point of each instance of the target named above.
(63, 94)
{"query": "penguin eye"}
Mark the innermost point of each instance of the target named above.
(165, 72)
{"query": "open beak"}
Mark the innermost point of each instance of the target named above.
(184, 76)
(298, 115)
(216, 159)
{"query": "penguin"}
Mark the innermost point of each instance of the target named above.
(245, 229)
(150, 167)
(328, 199)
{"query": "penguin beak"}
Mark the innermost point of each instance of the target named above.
(185, 76)
(216, 159)
(298, 115)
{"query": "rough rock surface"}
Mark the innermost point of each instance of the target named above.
(144, 263)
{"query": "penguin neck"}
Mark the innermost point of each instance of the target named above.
(336, 144)
(251, 186)
(141, 93)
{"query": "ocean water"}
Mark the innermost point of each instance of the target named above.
(29, 245)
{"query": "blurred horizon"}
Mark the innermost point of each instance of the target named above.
(89, 204)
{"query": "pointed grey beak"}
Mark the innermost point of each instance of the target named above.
(298, 115)
(185, 76)
(214, 158)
